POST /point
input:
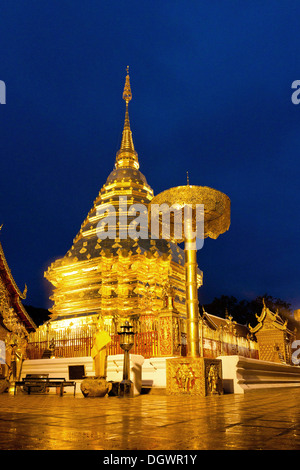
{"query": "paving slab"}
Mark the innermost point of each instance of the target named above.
(258, 420)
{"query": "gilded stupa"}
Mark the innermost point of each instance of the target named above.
(139, 279)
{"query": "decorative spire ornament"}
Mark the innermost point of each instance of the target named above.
(127, 156)
(127, 95)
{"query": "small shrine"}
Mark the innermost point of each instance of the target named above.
(274, 336)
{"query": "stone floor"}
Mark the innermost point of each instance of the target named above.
(256, 420)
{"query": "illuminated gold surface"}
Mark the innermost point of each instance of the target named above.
(113, 280)
(253, 421)
(194, 376)
(98, 352)
(273, 336)
(192, 308)
(127, 156)
(216, 206)
(15, 323)
(116, 279)
(216, 221)
(10, 294)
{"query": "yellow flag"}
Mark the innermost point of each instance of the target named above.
(102, 338)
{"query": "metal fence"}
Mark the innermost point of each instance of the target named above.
(78, 342)
(145, 344)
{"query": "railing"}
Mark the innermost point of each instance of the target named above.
(213, 348)
(145, 344)
(79, 342)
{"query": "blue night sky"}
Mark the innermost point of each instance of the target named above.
(211, 84)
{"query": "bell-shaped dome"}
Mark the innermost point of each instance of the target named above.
(127, 175)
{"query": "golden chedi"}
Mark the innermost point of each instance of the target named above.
(129, 277)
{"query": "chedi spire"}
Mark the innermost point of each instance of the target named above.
(127, 157)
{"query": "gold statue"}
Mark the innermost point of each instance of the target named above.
(101, 340)
(185, 377)
(213, 379)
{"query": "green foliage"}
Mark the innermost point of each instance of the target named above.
(243, 311)
(38, 315)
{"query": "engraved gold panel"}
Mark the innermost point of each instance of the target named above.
(192, 376)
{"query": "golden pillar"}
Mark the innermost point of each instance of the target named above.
(169, 328)
(192, 307)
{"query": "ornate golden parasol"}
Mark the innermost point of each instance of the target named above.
(215, 212)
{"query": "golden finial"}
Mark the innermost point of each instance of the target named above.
(24, 292)
(187, 178)
(127, 95)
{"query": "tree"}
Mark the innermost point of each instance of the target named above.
(244, 311)
(38, 315)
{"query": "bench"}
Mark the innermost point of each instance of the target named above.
(42, 381)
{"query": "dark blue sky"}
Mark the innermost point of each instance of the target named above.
(211, 84)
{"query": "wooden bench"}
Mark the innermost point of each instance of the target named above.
(42, 381)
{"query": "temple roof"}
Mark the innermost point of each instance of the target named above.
(269, 320)
(92, 248)
(14, 293)
(215, 322)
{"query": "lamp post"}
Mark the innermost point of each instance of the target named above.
(126, 343)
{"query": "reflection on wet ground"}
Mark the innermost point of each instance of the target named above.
(268, 419)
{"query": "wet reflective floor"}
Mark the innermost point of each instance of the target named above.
(266, 420)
